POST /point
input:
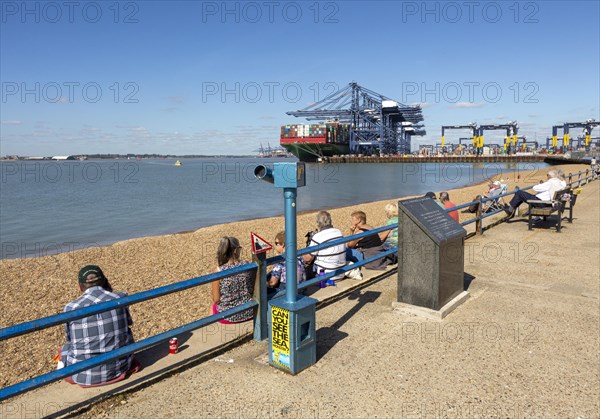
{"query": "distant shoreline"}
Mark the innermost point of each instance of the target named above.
(124, 157)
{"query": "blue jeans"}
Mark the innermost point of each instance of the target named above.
(354, 255)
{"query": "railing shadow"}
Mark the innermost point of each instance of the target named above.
(328, 337)
(135, 383)
(154, 354)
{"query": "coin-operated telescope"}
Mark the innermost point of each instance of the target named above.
(292, 340)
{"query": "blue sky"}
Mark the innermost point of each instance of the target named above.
(217, 77)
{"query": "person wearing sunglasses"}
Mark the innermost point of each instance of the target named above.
(277, 278)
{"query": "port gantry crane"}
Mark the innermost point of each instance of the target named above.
(525, 143)
(555, 129)
(377, 123)
(511, 133)
(587, 126)
(591, 140)
(472, 126)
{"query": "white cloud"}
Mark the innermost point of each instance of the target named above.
(423, 105)
(468, 105)
(10, 122)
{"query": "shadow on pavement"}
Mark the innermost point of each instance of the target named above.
(328, 337)
(151, 355)
(467, 279)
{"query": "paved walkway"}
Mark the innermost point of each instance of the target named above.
(525, 344)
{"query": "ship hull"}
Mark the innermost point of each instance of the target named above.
(310, 152)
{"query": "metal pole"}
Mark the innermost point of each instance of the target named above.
(291, 252)
(479, 222)
(261, 332)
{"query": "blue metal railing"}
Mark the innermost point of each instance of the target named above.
(47, 378)
(43, 323)
(50, 321)
(343, 269)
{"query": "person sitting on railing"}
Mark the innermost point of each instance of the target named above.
(390, 237)
(545, 192)
(356, 247)
(368, 246)
(99, 333)
(445, 200)
(331, 258)
(232, 291)
(277, 277)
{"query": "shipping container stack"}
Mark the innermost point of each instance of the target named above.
(330, 133)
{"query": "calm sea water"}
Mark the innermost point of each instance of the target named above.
(49, 207)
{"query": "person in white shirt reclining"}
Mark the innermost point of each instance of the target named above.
(545, 192)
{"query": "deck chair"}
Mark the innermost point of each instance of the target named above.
(496, 203)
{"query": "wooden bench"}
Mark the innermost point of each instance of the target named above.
(558, 204)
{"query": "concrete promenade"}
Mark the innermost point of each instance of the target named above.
(525, 344)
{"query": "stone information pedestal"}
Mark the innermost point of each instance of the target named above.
(430, 254)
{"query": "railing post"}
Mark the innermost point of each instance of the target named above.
(479, 222)
(261, 331)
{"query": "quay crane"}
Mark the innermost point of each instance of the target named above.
(472, 126)
(377, 123)
(511, 132)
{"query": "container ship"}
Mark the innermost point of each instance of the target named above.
(310, 142)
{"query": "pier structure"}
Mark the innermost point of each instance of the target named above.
(497, 158)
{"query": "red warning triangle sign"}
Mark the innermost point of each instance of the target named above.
(259, 245)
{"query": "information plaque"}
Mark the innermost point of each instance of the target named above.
(430, 254)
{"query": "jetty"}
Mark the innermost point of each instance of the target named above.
(434, 159)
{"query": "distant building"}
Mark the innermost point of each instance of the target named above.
(63, 158)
